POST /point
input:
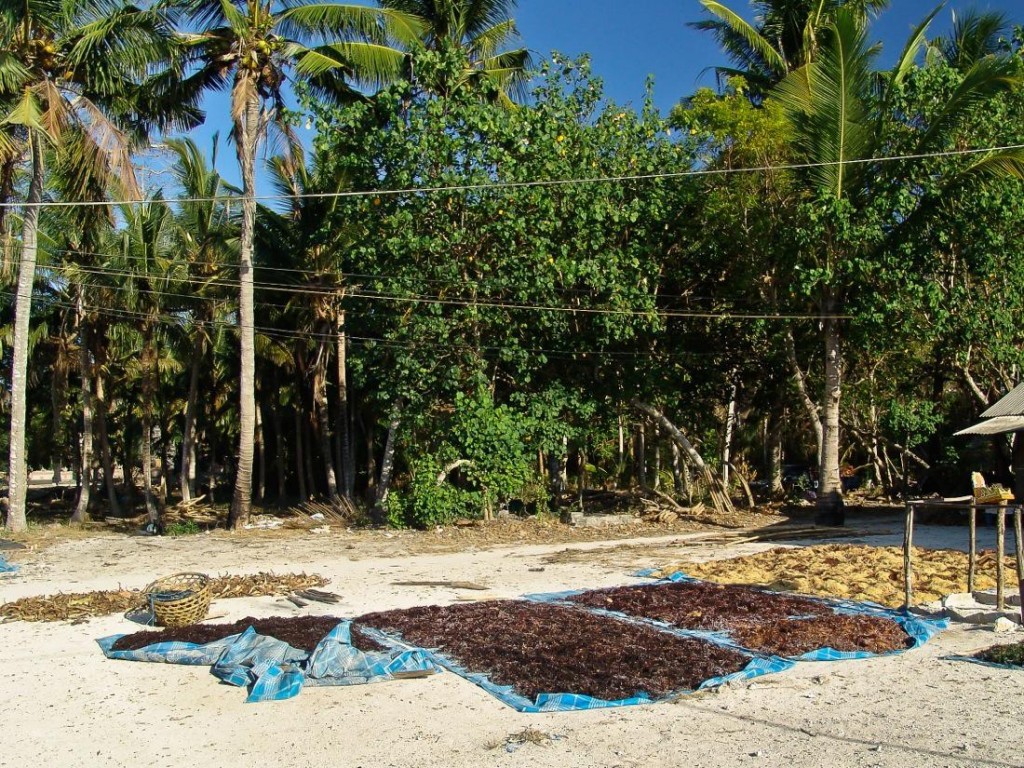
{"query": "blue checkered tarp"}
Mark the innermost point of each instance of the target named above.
(273, 671)
(6, 567)
(983, 663)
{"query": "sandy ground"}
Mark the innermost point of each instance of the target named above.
(65, 704)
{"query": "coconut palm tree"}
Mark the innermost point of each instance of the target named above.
(974, 35)
(206, 236)
(70, 67)
(483, 30)
(252, 46)
(837, 107)
(785, 35)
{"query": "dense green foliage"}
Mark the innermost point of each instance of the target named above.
(460, 301)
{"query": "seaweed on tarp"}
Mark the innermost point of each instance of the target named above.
(841, 632)
(700, 605)
(301, 632)
(537, 648)
(1005, 655)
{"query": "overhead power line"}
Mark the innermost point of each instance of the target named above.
(483, 303)
(512, 185)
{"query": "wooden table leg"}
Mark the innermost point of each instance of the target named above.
(972, 550)
(908, 544)
(1000, 555)
(1019, 546)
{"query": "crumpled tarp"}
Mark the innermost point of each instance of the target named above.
(273, 671)
(920, 629)
(6, 567)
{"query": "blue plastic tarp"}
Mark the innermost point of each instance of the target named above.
(273, 671)
(6, 567)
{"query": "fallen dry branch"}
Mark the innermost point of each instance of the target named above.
(853, 572)
(75, 606)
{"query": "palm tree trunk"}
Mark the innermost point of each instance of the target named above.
(730, 428)
(300, 464)
(261, 453)
(320, 406)
(106, 460)
(187, 478)
(148, 395)
(247, 133)
(17, 468)
(279, 454)
(830, 492)
(348, 468)
(85, 473)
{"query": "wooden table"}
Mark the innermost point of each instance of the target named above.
(972, 508)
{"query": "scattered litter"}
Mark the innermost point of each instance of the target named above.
(1003, 625)
(318, 516)
(6, 567)
(321, 529)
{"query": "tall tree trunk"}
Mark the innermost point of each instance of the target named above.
(774, 434)
(348, 467)
(323, 417)
(371, 460)
(148, 396)
(85, 472)
(58, 390)
(247, 137)
(812, 410)
(17, 467)
(279, 453)
(678, 482)
(830, 491)
(387, 466)
(106, 457)
(300, 454)
(187, 476)
(261, 456)
(640, 456)
(730, 427)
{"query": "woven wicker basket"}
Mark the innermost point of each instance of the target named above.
(992, 495)
(179, 600)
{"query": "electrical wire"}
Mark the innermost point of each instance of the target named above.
(521, 184)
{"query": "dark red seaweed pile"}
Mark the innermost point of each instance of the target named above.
(701, 605)
(302, 632)
(795, 637)
(541, 648)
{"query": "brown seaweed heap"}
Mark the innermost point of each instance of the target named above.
(700, 605)
(302, 632)
(541, 648)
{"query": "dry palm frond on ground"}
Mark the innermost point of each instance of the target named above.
(853, 572)
(83, 605)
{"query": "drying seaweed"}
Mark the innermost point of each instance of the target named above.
(539, 648)
(75, 606)
(795, 637)
(695, 605)
(302, 632)
(854, 572)
(1012, 655)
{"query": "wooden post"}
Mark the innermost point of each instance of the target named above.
(972, 549)
(1000, 554)
(908, 545)
(1019, 546)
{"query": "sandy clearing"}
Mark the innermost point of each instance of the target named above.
(66, 704)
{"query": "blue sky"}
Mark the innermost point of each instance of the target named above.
(631, 39)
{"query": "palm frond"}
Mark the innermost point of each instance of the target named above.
(327, 22)
(826, 104)
(913, 47)
(749, 34)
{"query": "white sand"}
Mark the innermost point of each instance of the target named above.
(65, 704)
